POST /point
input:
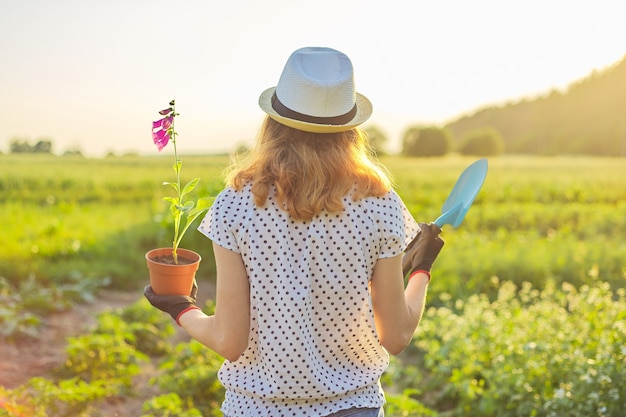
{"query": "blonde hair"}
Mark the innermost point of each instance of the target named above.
(312, 172)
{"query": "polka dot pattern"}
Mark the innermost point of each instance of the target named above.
(313, 346)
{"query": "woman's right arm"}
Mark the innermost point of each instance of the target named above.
(397, 311)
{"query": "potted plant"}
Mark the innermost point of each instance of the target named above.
(172, 270)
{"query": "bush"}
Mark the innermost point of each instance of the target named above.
(484, 142)
(105, 357)
(168, 405)
(42, 398)
(191, 372)
(143, 326)
(426, 141)
(404, 405)
(377, 140)
(120, 342)
(529, 352)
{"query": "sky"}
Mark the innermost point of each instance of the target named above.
(92, 75)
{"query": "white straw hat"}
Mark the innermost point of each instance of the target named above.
(316, 93)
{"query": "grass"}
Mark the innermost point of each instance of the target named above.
(526, 306)
(561, 217)
(535, 219)
(94, 216)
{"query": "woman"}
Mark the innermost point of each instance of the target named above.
(308, 239)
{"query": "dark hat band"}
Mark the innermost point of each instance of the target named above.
(285, 111)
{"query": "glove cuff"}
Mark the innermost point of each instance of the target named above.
(191, 307)
(419, 271)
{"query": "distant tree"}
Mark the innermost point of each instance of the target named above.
(73, 152)
(43, 146)
(377, 140)
(482, 142)
(241, 148)
(426, 141)
(20, 145)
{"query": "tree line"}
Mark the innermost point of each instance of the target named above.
(24, 146)
(40, 146)
(588, 118)
(427, 141)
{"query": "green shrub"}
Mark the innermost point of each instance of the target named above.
(405, 405)
(103, 357)
(168, 405)
(377, 140)
(484, 142)
(426, 141)
(40, 397)
(141, 326)
(15, 322)
(529, 352)
(191, 372)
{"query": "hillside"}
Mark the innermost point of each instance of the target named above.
(589, 117)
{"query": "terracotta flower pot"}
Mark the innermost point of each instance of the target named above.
(168, 278)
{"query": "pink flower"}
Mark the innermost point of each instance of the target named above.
(160, 131)
(160, 138)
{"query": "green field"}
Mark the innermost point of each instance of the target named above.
(526, 307)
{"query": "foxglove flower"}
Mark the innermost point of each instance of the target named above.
(161, 131)
(182, 207)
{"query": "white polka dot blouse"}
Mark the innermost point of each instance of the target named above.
(313, 347)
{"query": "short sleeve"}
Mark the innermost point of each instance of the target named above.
(396, 225)
(220, 222)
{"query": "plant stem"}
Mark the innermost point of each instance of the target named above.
(177, 166)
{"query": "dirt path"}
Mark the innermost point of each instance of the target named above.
(24, 359)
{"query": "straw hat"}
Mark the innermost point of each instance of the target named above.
(316, 93)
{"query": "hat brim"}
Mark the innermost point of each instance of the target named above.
(363, 112)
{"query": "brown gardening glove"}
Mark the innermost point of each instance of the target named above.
(172, 304)
(423, 250)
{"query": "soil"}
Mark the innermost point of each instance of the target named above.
(28, 358)
(169, 260)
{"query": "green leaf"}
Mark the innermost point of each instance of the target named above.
(205, 202)
(202, 205)
(188, 206)
(190, 186)
(173, 184)
(193, 216)
(171, 200)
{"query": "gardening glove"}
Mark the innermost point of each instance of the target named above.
(423, 250)
(175, 305)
